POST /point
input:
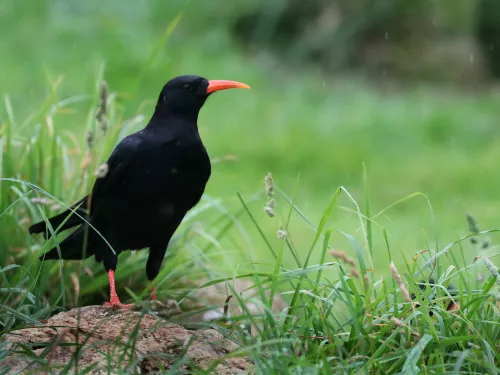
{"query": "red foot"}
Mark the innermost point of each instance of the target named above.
(118, 305)
(454, 307)
(114, 302)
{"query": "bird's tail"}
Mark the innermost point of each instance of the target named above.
(75, 246)
(68, 219)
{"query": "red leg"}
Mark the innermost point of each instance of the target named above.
(114, 301)
(453, 306)
(153, 293)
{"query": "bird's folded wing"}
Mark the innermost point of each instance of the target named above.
(118, 161)
(118, 164)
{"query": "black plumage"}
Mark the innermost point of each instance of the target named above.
(154, 177)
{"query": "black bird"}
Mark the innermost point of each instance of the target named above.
(154, 176)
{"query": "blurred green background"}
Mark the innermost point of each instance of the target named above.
(408, 88)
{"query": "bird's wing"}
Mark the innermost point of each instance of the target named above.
(118, 161)
(118, 164)
(64, 220)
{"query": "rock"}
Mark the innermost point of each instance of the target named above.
(98, 340)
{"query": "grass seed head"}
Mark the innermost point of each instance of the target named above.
(269, 207)
(473, 226)
(44, 201)
(87, 159)
(354, 273)
(89, 139)
(268, 180)
(55, 207)
(102, 170)
(103, 101)
(103, 124)
(396, 276)
(340, 254)
(492, 268)
(271, 203)
(282, 234)
(102, 110)
(269, 211)
(397, 322)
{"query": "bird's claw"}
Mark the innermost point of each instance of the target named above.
(118, 305)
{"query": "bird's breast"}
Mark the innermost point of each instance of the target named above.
(191, 173)
(179, 174)
(161, 183)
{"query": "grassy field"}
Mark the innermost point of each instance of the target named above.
(413, 159)
(306, 129)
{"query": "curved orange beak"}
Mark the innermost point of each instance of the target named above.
(218, 84)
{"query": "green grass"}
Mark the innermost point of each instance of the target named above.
(427, 154)
(337, 322)
(435, 140)
(344, 316)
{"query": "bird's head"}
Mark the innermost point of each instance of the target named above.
(187, 94)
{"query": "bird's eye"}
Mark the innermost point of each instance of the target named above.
(188, 87)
